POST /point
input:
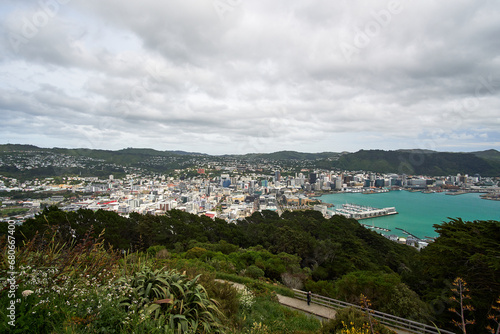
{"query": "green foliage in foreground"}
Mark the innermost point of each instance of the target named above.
(84, 288)
(334, 257)
(469, 250)
(330, 248)
(172, 301)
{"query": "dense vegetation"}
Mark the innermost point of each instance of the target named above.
(82, 287)
(328, 247)
(334, 257)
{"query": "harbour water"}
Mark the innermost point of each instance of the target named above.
(418, 212)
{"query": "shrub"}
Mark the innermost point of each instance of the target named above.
(324, 288)
(195, 253)
(47, 305)
(254, 272)
(293, 281)
(153, 250)
(349, 318)
(162, 254)
(225, 294)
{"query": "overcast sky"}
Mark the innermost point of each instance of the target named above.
(240, 76)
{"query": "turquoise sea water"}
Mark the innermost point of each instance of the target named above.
(418, 212)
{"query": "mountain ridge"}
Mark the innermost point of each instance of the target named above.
(402, 161)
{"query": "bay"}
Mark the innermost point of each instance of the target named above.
(418, 212)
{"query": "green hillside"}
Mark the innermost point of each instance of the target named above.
(488, 155)
(410, 161)
(418, 162)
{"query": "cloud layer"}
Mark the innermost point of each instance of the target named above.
(236, 76)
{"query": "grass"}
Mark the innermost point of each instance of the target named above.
(13, 212)
(268, 316)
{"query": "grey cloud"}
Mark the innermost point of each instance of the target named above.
(260, 75)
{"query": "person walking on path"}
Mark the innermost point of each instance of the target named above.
(309, 298)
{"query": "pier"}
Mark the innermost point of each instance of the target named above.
(363, 212)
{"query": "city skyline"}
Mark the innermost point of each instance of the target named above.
(237, 77)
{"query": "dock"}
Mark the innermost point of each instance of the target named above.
(363, 212)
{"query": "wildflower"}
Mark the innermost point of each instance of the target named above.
(26, 293)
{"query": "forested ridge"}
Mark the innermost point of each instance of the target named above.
(335, 257)
(421, 162)
(413, 161)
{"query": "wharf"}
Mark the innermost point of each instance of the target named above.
(455, 193)
(363, 212)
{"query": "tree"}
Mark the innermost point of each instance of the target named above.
(469, 250)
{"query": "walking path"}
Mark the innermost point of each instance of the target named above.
(301, 305)
(318, 310)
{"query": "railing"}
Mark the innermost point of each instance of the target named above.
(384, 318)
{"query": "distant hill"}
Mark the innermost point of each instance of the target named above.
(488, 155)
(19, 147)
(408, 161)
(421, 162)
(290, 155)
(94, 152)
(100, 162)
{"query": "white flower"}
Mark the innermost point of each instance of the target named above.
(26, 293)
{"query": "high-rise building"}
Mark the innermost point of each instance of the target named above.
(338, 183)
(225, 180)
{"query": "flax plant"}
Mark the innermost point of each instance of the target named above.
(462, 298)
(494, 317)
(172, 300)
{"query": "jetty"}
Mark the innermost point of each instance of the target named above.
(363, 212)
(408, 233)
(376, 227)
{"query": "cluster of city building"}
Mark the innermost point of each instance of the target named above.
(228, 192)
(232, 194)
